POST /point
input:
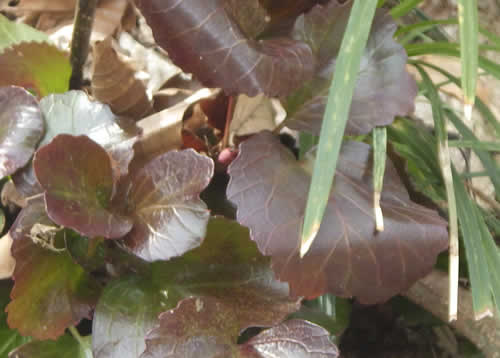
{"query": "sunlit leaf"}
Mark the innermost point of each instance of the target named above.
(51, 292)
(169, 217)
(21, 127)
(384, 88)
(202, 39)
(226, 267)
(12, 33)
(39, 67)
(78, 194)
(348, 257)
(205, 326)
(74, 113)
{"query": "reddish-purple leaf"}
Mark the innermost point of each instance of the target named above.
(348, 257)
(208, 327)
(21, 127)
(76, 175)
(227, 267)
(51, 292)
(163, 198)
(203, 39)
(74, 113)
(384, 88)
(294, 338)
(38, 67)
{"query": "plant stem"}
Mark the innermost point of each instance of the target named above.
(84, 18)
(431, 293)
(78, 337)
(229, 117)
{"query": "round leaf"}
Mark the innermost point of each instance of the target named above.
(169, 217)
(78, 194)
(348, 257)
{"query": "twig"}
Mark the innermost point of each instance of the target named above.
(84, 18)
(431, 293)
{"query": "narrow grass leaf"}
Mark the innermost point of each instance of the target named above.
(476, 144)
(404, 7)
(485, 157)
(469, 53)
(445, 164)
(379, 155)
(474, 250)
(335, 118)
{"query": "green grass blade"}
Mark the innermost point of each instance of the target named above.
(336, 115)
(404, 7)
(476, 144)
(379, 156)
(449, 49)
(474, 250)
(485, 157)
(445, 164)
(306, 142)
(480, 105)
(469, 51)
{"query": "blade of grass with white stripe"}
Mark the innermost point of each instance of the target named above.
(475, 251)
(404, 7)
(379, 156)
(335, 117)
(445, 164)
(469, 53)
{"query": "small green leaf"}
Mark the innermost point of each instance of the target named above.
(12, 33)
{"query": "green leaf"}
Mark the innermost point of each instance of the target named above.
(38, 67)
(64, 347)
(51, 292)
(227, 267)
(440, 125)
(472, 235)
(335, 118)
(12, 33)
(404, 7)
(9, 338)
(469, 33)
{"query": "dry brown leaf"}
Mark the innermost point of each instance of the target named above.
(162, 131)
(7, 262)
(255, 114)
(114, 82)
(38, 5)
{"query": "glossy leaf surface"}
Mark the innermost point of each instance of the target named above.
(226, 267)
(39, 67)
(384, 88)
(21, 127)
(46, 282)
(74, 113)
(169, 217)
(348, 257)
(202, 39)
(205, 326)
(78, 195)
